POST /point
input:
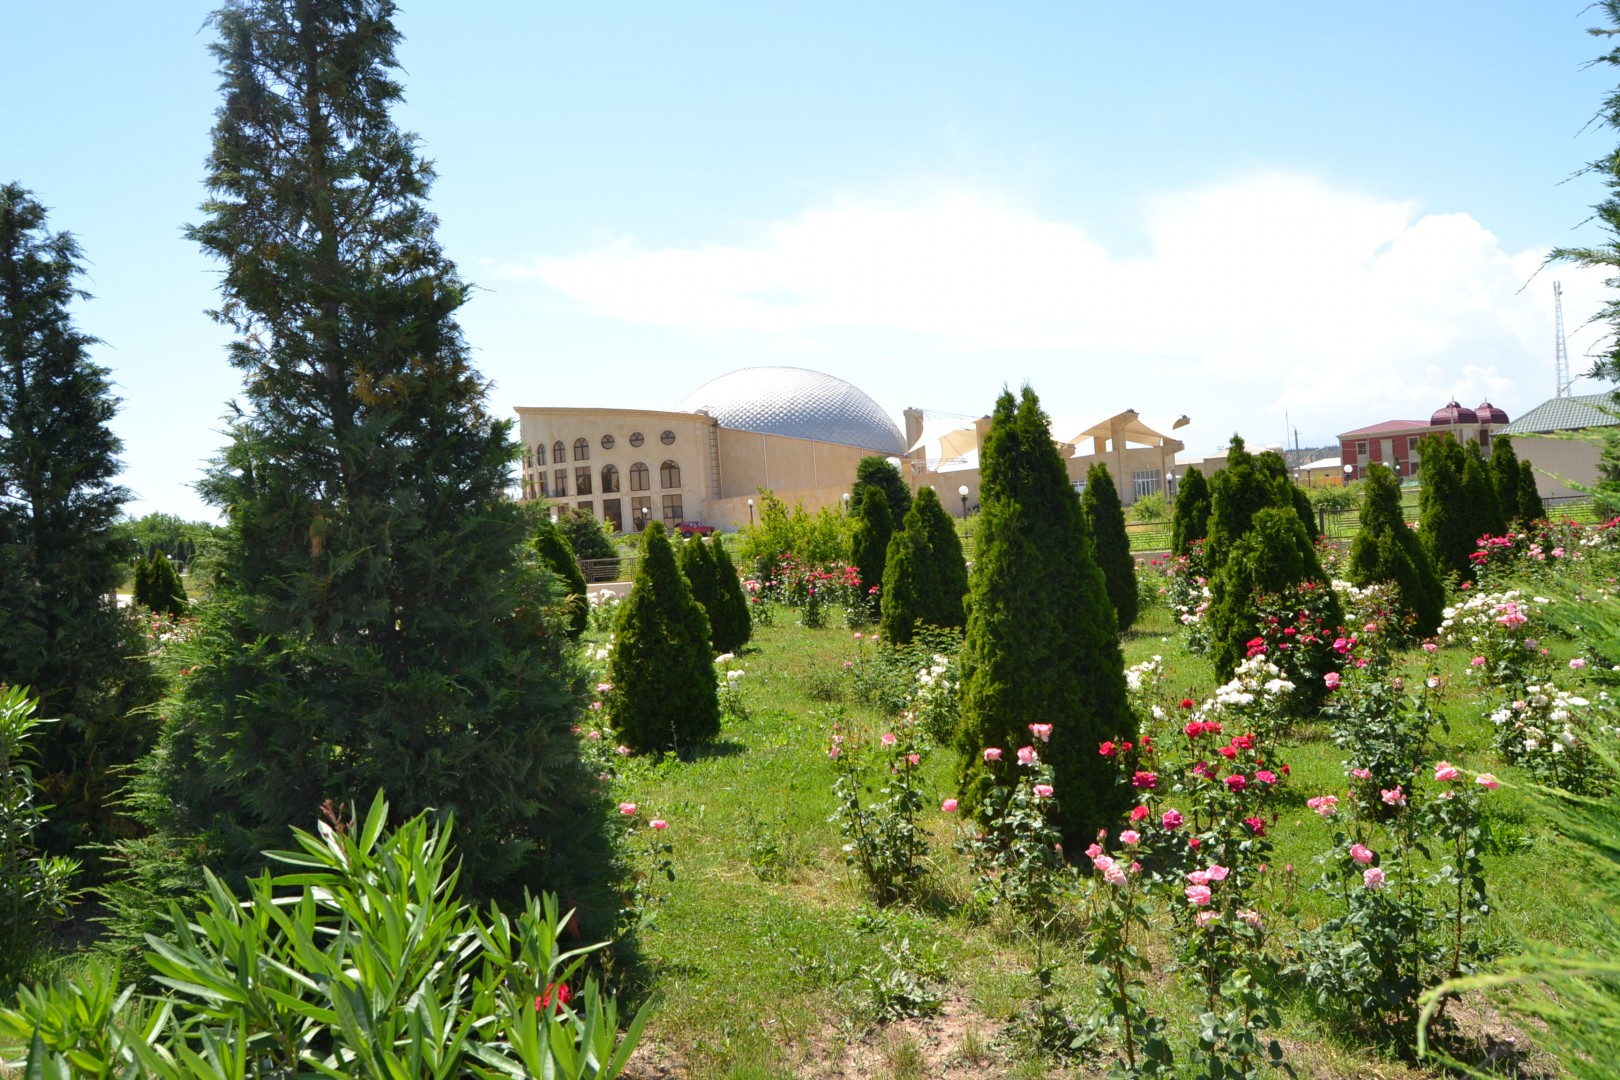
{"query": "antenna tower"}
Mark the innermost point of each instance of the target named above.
(1561, 379)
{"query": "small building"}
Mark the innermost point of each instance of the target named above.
(1394, 443)
(1545, 437)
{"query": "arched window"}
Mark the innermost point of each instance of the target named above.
(582, 450)
(669, 475)
(540, 454)
(640, 477)
(610, 479)
(559, 452)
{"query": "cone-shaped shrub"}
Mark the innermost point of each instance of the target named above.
(697, 565)
(1111, 544)
(1276, 467)
(1042, 641)
(1530, 507)
(1504, 473)
(1238, 492)
(158, 586)
(735, 625)
(1273, 556)
(1386, 550)
(1489, 517)
(924, 576)
(1445, 522)
(663, 695)
(556, 553)
(1192, 512)
(869, 545)
(880, 473)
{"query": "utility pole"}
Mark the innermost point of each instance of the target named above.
(1561, 379)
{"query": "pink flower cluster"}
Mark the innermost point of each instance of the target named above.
(1198, 892)
(1324, 805)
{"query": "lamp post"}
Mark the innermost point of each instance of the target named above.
(1170, 483)
(1349, 471)
(846, 502)
(963, 491)
(750, 513)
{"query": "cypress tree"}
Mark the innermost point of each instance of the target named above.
(558, 555)
(1237, 492)
(1445, 522)
(62, 553)
(377, 619)
(1385, 550)
(1529, 506)
(1112, 544)
(1484, 510)
(881, 473)
(697, 566)
(924, 576)
(664, 695)
(869, 543)
(736, 624)
(1191, 522)
(1504, 473)
(1042, 641)
(1272, 556)
(157, 585)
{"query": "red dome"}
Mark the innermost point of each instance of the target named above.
(1490, 414)
(1453, 413)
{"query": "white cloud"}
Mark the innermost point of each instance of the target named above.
(1267, 292)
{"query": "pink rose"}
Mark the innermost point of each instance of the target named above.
(1204, 918)
(914, 759)
(1487, 781)
(1129, 836)
(949, 806)
(1445, 772)
(1199, 877)
(1332, 680)
(1324, 805)
(622, 751)
(889, 738)
(1478, 661)
(1026, 755)
(992, 754)
(1361, 774)
(1236, 782)
(1042, 732)
(1361, 853)
(1372, 877)
(1576, 663)
(659, 823)
(1043, 791)
(1393, 797)
(1266, 776)
(1172, 819)
(1429, 646)
(1198, 895)
(1251, 917)
(627, 808)
(1217, 872)
(1093, 851)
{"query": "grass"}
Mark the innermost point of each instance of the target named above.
(764, 953)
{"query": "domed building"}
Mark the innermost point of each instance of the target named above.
(797, 432)
(1394, 442)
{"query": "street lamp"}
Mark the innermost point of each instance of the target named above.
(1349, 471)
(962, 491)
(750, 513)
(1170, 483)
(846, 502)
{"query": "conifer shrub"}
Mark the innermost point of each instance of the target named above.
(158, 587)
(1237, 492)
(1451, 518)
(1488, 515)
(1504, 473)
(664, 696)
(869, 544)
(1111, 543)
(1276, 467)
(1191, 522)
(1385, 550)
(880, 472)
(732, 625)
(555, 552)
(907, 569)
(1273, 557)
(925, 576)
(588, 540)
(697, 566)
(1042, 639)
(950, 566)
(1529, 507)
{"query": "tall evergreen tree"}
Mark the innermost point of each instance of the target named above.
(1042, 640)
(1105, 517)
(736, 622)
(869, 542)
(1272, 556)
(664, 695)
(376, 619)
(555, 551)
(1445, 522)
(61, 554)
(1276, 467)
(1237, 492)
(1504, 472)
(924, 576)
(697, 566)
(157, 585)
(1479, 494)
(1192, 512)
(1529, 506)
(881, 473)
(1385, 550)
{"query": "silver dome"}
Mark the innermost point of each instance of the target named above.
(797, 402)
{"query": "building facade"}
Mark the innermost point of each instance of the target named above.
(1394, 443)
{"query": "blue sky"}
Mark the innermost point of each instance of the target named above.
(1333, 213)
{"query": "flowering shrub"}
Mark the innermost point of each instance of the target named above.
(730, 674)
(883, 840)
(1187, 593)
(1548, 732)
(936, 701)
(1119, 920)
(1383, 730)
(1018, 856)
(1301, 637)
(604, 608)
(1497, 629)
(1377, 606)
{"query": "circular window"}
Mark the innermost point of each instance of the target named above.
(636, 438)
(607, 442)
(667, 437)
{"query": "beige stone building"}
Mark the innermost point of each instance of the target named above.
(1561, 438)
(798, 433)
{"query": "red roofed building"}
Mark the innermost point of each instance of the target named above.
(1394, 442)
